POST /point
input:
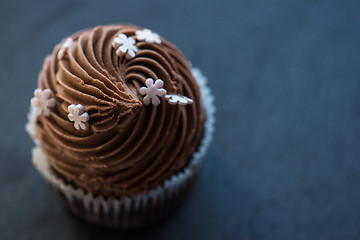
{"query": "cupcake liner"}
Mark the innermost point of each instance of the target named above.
(136, 210)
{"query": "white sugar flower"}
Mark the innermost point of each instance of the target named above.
(148, 36)
(176, 99)
(64, 48)
(78, 115)
(43, 101)
(153, 91)
(124, 46)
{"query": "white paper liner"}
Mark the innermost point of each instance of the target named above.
(133, 211)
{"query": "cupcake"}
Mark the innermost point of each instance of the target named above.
(121, 123)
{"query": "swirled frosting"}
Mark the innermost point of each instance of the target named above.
(130, 147)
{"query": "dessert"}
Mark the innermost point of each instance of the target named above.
(118, 115)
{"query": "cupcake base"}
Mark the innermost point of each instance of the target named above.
(137, 210)
(128, 212)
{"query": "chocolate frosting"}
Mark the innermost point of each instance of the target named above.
(129, 148)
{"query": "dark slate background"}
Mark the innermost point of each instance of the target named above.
(284, 163)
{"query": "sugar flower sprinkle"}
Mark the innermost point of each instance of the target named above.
(78, 115)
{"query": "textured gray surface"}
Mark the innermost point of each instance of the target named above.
(285, 160)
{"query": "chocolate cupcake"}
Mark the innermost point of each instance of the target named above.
(121, 123)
